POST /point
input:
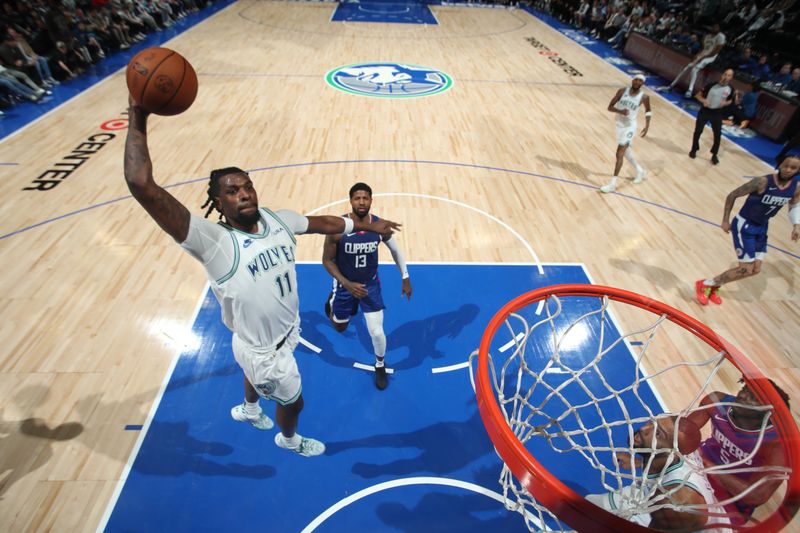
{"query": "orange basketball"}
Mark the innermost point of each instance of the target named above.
(161, 81)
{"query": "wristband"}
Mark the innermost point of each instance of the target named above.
(649, 114)
(348, 225)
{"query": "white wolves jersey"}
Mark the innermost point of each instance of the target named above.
(686, 472)
(252, 274)
(631, 103)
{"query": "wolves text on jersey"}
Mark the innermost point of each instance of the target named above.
(270, 258)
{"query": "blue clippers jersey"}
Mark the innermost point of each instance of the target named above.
(759, 208)
(357, 255)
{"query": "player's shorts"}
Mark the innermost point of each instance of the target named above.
(345, 305)
(272, 371)
(625, 135)
(749, 240)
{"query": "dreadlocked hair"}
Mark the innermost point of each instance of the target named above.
(780, 391)
(213, 188)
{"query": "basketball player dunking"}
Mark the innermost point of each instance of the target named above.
(626, 105)
(249, 258)
(352, 260)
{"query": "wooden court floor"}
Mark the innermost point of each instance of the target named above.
(95, 297)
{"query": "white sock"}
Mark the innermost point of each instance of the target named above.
(293, 442)
(710, 283)
(613, 182)
(252, 409)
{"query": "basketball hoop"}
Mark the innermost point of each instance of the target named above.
(556, 393)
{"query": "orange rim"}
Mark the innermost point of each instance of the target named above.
(570, 506)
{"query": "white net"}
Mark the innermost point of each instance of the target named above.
(609, 412)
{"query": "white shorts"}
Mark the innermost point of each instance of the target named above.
(625, 135)
(273, 373)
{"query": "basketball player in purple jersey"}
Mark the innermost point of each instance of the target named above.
(765, 197)
(352, 260)
(735, 434)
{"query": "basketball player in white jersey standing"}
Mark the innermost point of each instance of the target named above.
(625, 105)
(250, 263)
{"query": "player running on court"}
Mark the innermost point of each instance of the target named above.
(352, 260)
(765, 197)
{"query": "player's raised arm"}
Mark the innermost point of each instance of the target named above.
(166, 210)
(758, 184)
(330, 225)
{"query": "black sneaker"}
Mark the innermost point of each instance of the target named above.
(715, 159)
(328, 305)
(693, 154)
(381, 378)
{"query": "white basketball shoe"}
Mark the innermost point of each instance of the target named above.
(306, 448)
(262, 421)
(640, 173)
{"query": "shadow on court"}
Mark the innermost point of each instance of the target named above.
(435, 444)
(407, 347)
(175, 452)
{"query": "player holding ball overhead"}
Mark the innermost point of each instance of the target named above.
(249, 258)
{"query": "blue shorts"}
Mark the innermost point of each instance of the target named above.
(749, 240)
(345, 305)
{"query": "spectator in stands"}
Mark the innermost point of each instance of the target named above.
(712, 44)
(597, 17)
(745, 62)
(618, 40)
(665, 24)
(743, 108)
(784, 75)
(579, 17)
(19, 84)
(762, 70)
(794, 82)
(613, 24)
(64, 63)
(39, 63)
(87, 43)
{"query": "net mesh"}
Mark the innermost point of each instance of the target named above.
(571, 383)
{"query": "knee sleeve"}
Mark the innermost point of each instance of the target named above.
(375, 327)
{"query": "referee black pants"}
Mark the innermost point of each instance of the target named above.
(703, 116)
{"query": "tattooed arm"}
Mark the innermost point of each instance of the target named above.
(758, 184)
(167, 211)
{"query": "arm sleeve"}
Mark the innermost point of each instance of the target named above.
(397, 255)
(294, 221)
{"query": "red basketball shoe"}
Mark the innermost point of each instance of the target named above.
(700, 292)
(714, 296)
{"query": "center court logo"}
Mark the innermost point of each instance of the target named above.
(389, 80)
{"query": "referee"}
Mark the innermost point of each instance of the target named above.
(714, 97)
